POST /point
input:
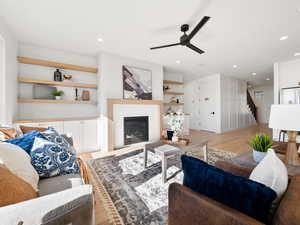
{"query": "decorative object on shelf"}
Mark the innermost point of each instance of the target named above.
(57, 75)
(175, 123)
(58, 94)
(170, 134)
(137, 83)
(166, 87)
(43, 91)
(260, 144)
(177, 101)
(76, 94)
(286, 117)
(85, 96)
(68, 77)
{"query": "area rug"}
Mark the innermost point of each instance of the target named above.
(135, 195)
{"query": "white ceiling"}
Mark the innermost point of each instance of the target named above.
(241, 32)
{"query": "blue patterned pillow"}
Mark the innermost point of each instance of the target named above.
(25, 141)
(53, 136)
(50, 159)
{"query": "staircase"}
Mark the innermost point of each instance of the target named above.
(251, 105)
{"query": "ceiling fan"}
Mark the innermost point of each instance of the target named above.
(185, 39)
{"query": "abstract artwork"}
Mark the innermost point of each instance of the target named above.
(137, 83)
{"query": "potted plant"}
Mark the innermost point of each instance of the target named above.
(57, 94)
(175, 122)
(260, 144)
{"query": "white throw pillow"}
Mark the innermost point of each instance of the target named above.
(19, 163)
(271, 172)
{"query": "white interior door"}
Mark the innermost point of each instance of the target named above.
(208, 105)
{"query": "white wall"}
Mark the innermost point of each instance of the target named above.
(286, 74)
(48, 111)
(111, 84)
(226, 97)
(202, 97)
(8, 101)
(264, 103)
(235, 111)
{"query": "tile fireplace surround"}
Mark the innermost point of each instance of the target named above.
(116, 118)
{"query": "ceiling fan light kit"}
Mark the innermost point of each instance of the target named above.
(185, 39)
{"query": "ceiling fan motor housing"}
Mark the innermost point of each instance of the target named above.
(185, 28)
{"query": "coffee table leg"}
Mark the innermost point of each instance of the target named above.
(205, 152)
(164, 169)
(145, 157)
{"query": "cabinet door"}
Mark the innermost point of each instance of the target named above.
(72, 129)
(89, 134)
(58, 126)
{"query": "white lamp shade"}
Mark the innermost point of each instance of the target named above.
(285, 117)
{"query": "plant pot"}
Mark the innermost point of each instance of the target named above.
(175, 138)
(170, 134)
(258, 156)
(58, 97)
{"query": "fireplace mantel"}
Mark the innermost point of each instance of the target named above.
(110, 112)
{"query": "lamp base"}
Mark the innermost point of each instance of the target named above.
(291, 156)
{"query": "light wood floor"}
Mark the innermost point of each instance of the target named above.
(232, 141)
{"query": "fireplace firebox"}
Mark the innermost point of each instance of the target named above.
(136, 129)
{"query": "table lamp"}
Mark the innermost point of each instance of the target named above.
(287, 117)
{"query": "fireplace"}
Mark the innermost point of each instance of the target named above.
(136, 129)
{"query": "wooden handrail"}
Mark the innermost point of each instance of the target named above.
(252, 105)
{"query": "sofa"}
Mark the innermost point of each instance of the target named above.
(187, 207)
(63, 200)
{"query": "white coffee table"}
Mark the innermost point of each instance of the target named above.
(165, 152)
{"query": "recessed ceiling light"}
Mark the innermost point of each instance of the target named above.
(297, 54)
(254, 74)
(178, 61)
(234, 66)
(284, 38)
(268, 79)
(100, 39)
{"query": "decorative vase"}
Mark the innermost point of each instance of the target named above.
(175, 138)
(58, 97)
(170, 135)
(57, 75)
(258, 156)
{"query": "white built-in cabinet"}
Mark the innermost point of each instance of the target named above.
(84, 132)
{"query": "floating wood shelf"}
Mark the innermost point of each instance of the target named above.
(173, 93)
(173, 82)
(54, 120)
(41, 62)
(171, 103)
(55, 101)
(56, 83)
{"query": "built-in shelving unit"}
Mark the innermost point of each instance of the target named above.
(173, 93)
(173, 82)
(41, 62)
(56, 83)
(55, 101)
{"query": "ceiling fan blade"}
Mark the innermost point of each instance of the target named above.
(193, 47)
(198, 27)
(164, 46)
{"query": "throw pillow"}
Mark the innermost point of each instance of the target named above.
(14, 189)
(19, 163)
(50, 159)
(26, 129)
(25, 141)
(247, 196)
(7, 133)
(271, 172)
(53, 136)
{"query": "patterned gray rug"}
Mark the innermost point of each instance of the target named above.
(138, 194)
